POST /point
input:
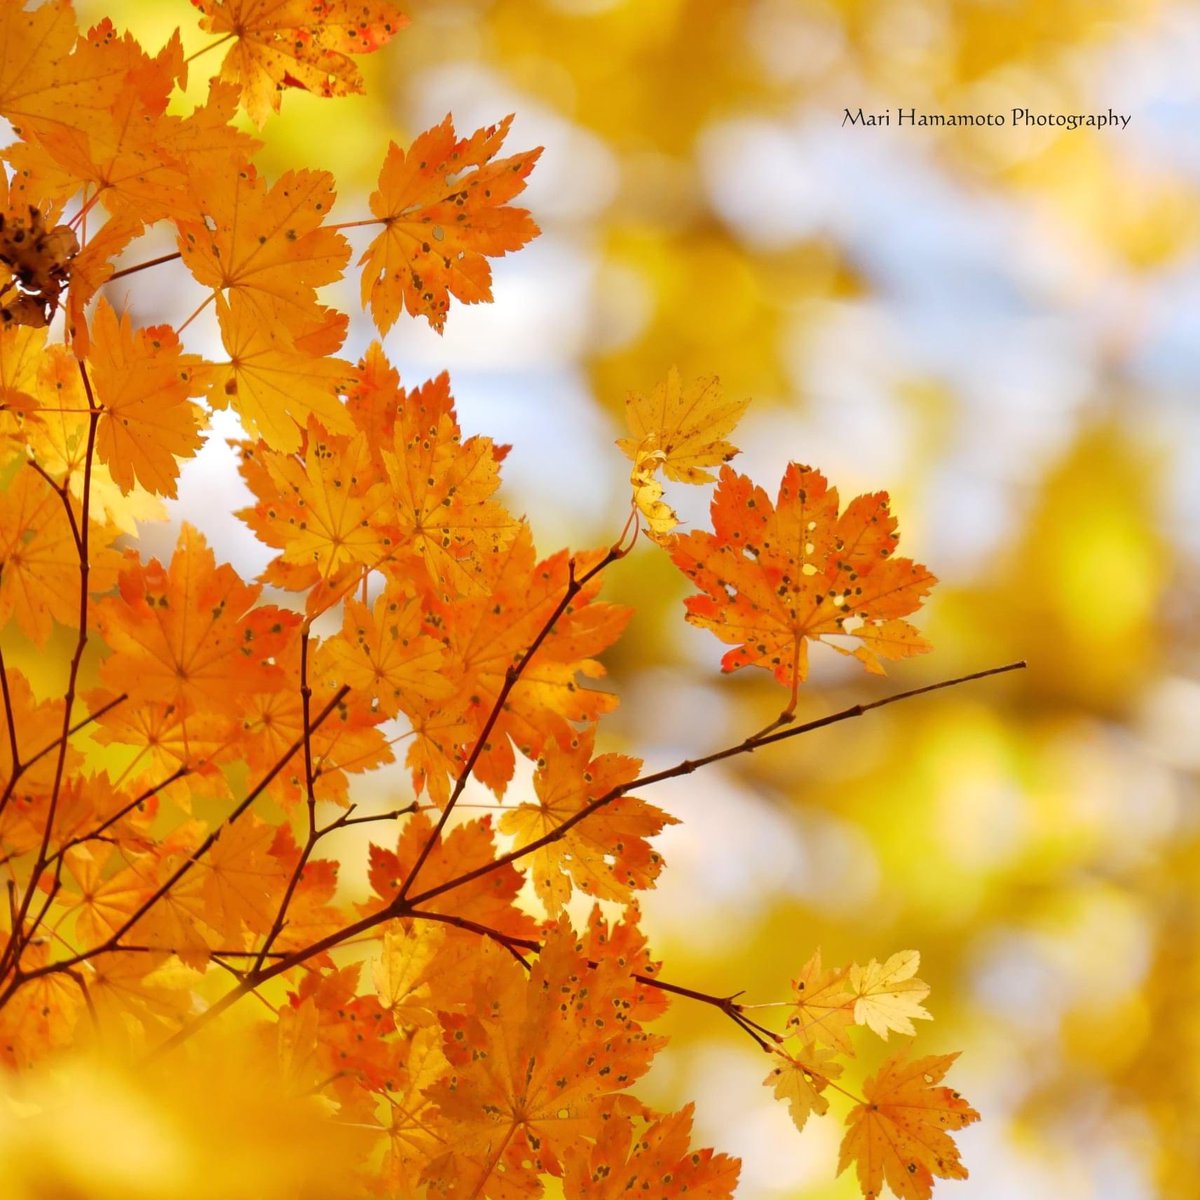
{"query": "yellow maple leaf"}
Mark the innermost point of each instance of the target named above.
(800, 1079)
(680, 431)
(887, 996)
(687, 425)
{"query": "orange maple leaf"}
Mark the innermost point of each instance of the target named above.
(445, 211)
(774, 577)
(823, 1007)
(265, 241)
(441, 505)
(39, 559)
(297, 43)
(536, 1061)
(52, 78)
(488, 899)
(659, 1163)
(680, 431)
(384, 654)
(322, 510)
(190, 634)
(143, 381)
(606, 855)
(899, 1134)
(487, 634)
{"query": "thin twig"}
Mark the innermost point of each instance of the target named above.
(687, 766)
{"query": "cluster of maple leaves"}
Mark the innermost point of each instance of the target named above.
(163, 802)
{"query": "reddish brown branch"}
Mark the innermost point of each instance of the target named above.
(402, 906)
(687, 766)
(18, 939)
(113, 942)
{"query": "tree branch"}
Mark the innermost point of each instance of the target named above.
(688, 765)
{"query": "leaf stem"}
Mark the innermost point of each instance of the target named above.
(142, 266)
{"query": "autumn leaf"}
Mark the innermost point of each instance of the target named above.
(39, 559)
(241, 881)
(687, 425)
(800, 1078)
(322, 510)
(899, 1135)
(442, 487)
(605, 856)
(384, 653)
(266, 242)
(680, 431)
(485, 635)
(143, 381)
(887, 996)
(488, 899)
(660, 1162)
(272, 383)
(190, 634)
(297, 43)
(445, 212)
(823, 1005)
(774, 577)
(535, 1059)
(50, 77)
(38, 723)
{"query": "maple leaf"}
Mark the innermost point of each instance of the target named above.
(142, 381)
(241, 880)
(49, 76)
(606, 855)
(680, 431)
(535, 1060)
(899, 1134)
(274, 385)
(265, 242)
(321, 510)
(349, 1030)
(311, 913)
(105, 900)
(122, 155)
(660, 1163)
(401, 973)
(190, 634)
(39, 559)
(801, 1078)
(445, 211)
(823, 1008)
(21, 352)
(414, 1136)
(441, 491)
(91, 268)
(774, 577)
(887, 996)
(297, 43)
(38, 724)
(347, 741)
(384, 653)
(489, 899)
(485, 635)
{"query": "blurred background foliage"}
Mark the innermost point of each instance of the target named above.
(998, 325)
